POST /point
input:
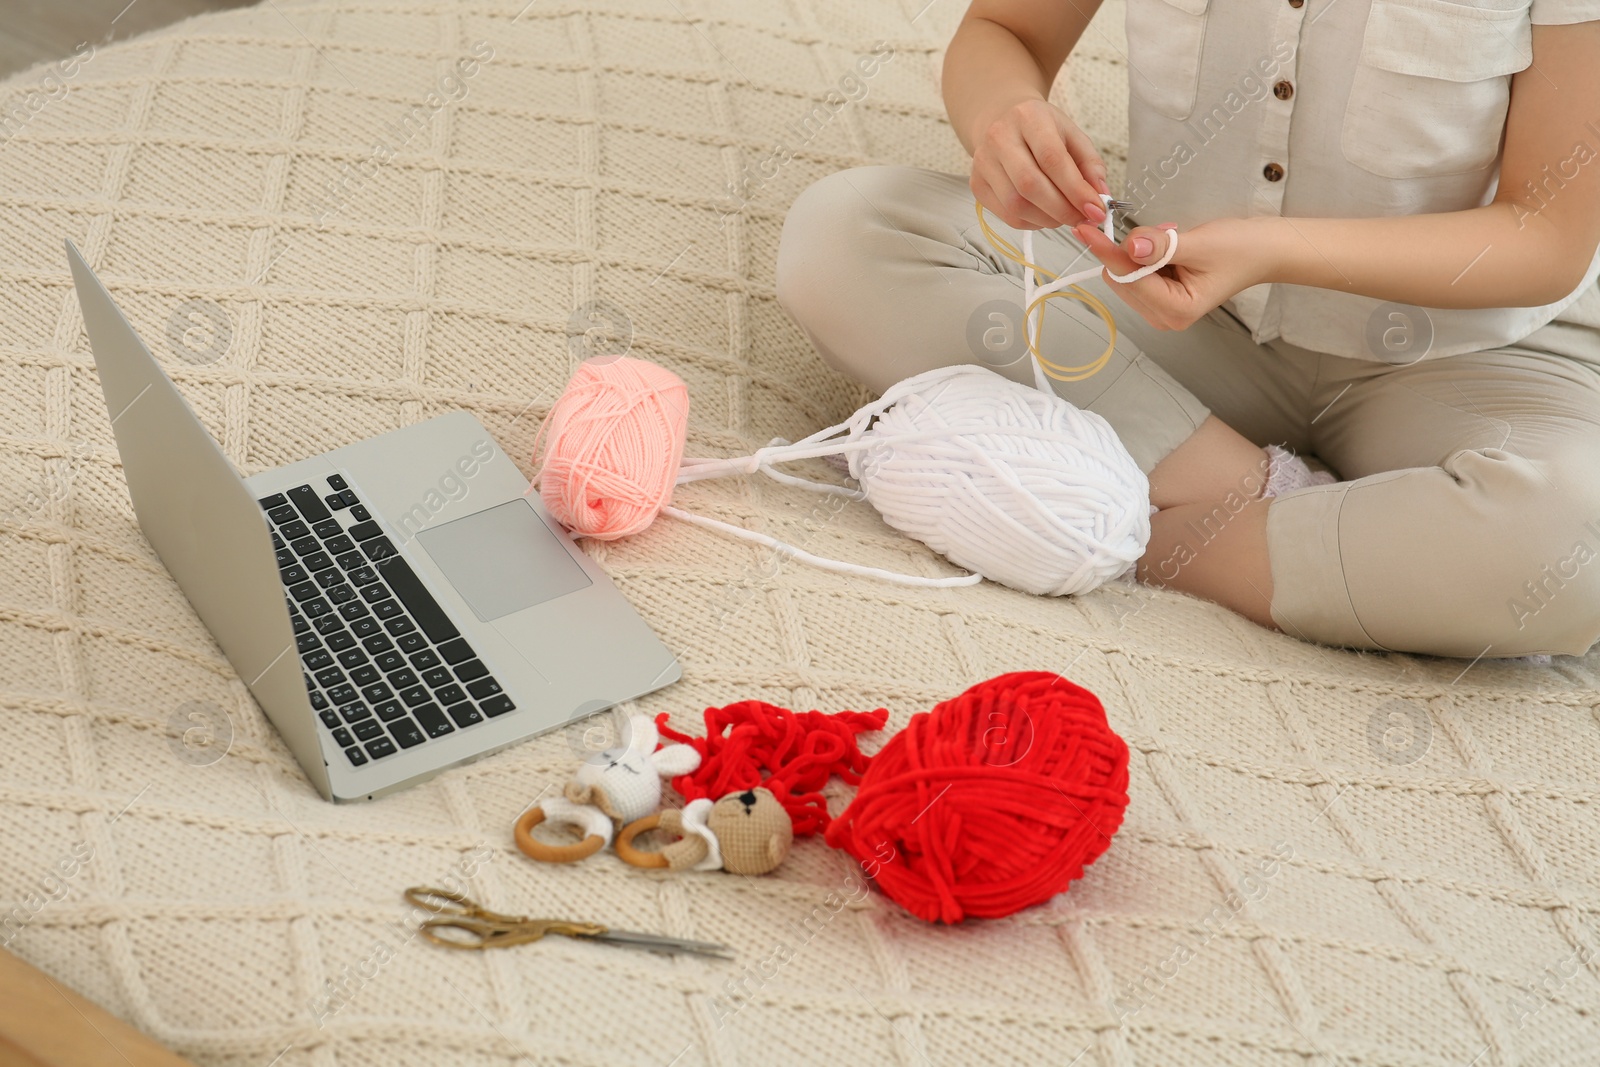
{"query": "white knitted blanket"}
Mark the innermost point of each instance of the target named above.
(1330, 858)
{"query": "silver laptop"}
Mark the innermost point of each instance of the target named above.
(397, 606)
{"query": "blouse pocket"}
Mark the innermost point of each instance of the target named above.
(1164, 39)
(1432, 86)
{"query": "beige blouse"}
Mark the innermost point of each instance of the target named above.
(1335, 108)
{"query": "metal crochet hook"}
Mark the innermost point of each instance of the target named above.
(481, 928)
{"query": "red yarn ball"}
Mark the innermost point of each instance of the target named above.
(992, 802)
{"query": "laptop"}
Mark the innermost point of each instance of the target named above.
(396, 606)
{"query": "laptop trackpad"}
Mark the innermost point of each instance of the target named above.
(503, 559)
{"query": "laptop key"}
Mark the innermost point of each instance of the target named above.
(400, 626)
(378, 548)
(336, 481)
(483, 688)
(329, 719)
(412, 642)
(409, 588)
(318, 701)
(449, 694)
(402, 679)
(377, 643)
(317, 561)
(305, 498)
(373, 593)
(333, 501)
(329, 677)
(437, 676)
(389, 710)
(343, 594)
(363, 575)
(355, 712)
(364, 627)
(357, 757)
(299, 622)
(294, 530)
(355, 609)
(471, 669)
(364, 531)
(293, 574)
(415, 695)
(390, 661)
(317, 659)
(456, 651)
(316, 606)
(349, 497)
(387, 609)
(351, 658)
(378, 693)
(380, 748)
(303, 590)
(360, 513)
(367, 729)
(405, 731)
(352, 561)
(327, 528)
(434, 724)
(342, 736)
(276, 500)
(330, 577)
(286, 558)
(464, 713)
(341, 694)
(339, 640)
(304, 643)
(425, 659)
(339, 543)
(497, 705)
(282, 513)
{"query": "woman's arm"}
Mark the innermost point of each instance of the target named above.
(1032, 165)
(1524, 249)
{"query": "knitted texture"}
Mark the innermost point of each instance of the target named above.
(1329, 857)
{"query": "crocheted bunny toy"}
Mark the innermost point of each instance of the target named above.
(625, 782)
(743, 833)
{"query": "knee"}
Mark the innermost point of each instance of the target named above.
(827, 230)
(1553, 595)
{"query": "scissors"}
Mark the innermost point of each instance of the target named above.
(482, 928)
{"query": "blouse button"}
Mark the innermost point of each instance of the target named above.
(1283, 90)
(1297, 3)
(1272, 171)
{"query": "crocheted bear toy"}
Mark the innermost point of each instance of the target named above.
(743, 833)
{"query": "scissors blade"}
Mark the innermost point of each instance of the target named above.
(669, 945)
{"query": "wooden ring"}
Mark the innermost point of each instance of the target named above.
(535, 849)
(638, 857)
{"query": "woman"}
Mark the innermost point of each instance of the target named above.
(1387, 213)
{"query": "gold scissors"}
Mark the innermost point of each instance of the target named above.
(481, 928)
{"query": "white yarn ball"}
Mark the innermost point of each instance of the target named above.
(1008, 481)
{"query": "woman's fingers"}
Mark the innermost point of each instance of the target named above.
(994, 191)
(1147, 244)
(1055, 184)
(1090, 169)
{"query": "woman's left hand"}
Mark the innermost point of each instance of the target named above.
(1215, 261)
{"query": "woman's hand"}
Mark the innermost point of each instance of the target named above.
(1215, 261)
(1035, 168)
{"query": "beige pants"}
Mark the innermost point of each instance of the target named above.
(1467, 521)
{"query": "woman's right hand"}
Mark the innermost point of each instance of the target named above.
(1036, 169)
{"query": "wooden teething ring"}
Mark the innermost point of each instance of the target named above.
(638, 857)
(536, 849)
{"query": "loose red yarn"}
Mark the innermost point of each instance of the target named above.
(992, 802)
(753, 743)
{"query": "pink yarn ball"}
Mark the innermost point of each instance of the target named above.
(617, 435)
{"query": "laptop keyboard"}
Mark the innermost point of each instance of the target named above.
(385, 667)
